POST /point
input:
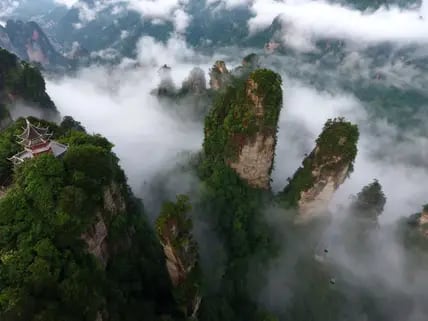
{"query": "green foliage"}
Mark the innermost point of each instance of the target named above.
(235, 119)
(8, 148)
(339, 138)
(77, 138)
(4, 113)
(174, 229)
(68, 124)
(301, 181)
(228, 203)
(9, 143)
(175, 214)
(370, 201)
(336, 148)
(23, 80)
(46, 272)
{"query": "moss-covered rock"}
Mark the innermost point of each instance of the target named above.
(241, 128)
(77, 237)
(174, 229)
(324, 169)
(22, 81)
(219, 76)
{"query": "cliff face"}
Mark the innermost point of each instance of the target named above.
(21, 81)
(181, 252)
(88, 225)
(316, 199)
(255, 159)
(96, 237)
(424, 217)
(243, 124)
(423, 222)
(30, 43)
(219, 75)
(195, 83)
(324, 170)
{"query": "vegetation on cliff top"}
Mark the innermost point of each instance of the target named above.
(370, 202)
(228, 202)
(21, 80)
(45, 270)
(336, 149)
(234, 118)
(174, 228)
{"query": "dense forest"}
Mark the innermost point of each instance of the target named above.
(76, 244)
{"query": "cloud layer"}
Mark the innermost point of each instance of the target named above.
(311, 20)
(117, 103)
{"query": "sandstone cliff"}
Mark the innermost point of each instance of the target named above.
(242, 126)
(181, 252)
(96, 237)
(323, 170)
(422, 222)
(219, 75)
(195, 83)
(30, 43)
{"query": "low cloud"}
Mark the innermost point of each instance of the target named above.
(383, 153)
(154, 10)
(148, 138)
(230, 4)
(305, 21)
(116, 102)
(164, 10)
(67, 3)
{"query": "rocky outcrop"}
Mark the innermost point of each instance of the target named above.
(195, 83)
(14, 84)
(241, 129)
(271, 47)
(96, 237)
(256, 155)
(424, 217)
(255, 161)
(166, 86)
(30, 43)
(423, 222)
(324, 170)
(219, 75)
(96, 240)
(181, 252)
(256, 148)
(251, 61)
(315, 200)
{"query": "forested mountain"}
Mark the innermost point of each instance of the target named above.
(221, 160)
(74, 242)
(22, 82)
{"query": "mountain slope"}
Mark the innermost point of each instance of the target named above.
(29, 42)
(74, 242)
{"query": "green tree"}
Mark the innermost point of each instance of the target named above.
(370, 202)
